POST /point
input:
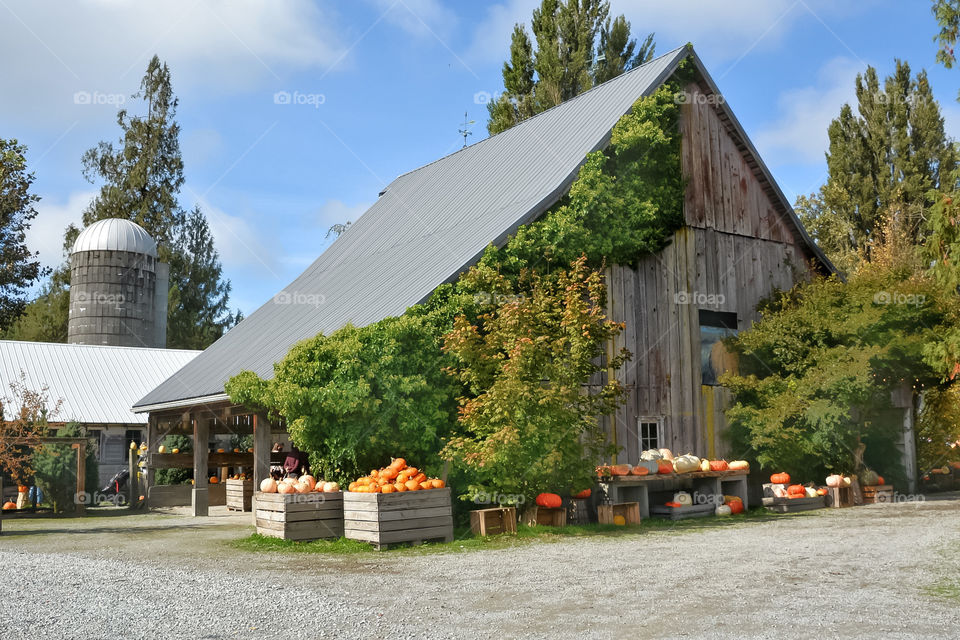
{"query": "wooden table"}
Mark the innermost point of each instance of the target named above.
(708, 486)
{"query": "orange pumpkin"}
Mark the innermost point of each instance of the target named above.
(412, 485)
(426, 485)
(719, 465)
(387, 488)
(22, 488)
(583, 495)
(549, 500)
(638, 470)
(440, 484)
(7, 506)
(399, 464)
(619, 469)
(214, 479)
(664, 466)
(780, 478)
(412, 471)
(285, 487)
(796, 491)
(268, 485)
(420, 477)
(389, 473)
(400, 486)
(880, 481)
(735, 504)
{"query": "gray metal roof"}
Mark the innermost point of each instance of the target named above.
(115, 234)
(97, 384)
(427, 227)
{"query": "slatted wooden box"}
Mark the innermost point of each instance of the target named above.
(629, 510)
(489, 522)
(239, 494)
(383, 519)
(877, 493)
(685, 512)
(300, 516)
(790, 505)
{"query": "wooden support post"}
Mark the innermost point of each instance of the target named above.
(81, 498)
(201, 457)
(261, 452)
(152, 437)
(133, 480)
(1, 500)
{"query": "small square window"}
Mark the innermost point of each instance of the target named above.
(650, 431)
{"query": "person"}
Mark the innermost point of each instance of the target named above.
(296, 462)
(36, 496)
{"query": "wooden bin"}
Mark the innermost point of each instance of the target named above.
(489, 522)
(877, 493)
(629, 510)
(550, 516)
(239, 494)
(300, 516)
(387, 518)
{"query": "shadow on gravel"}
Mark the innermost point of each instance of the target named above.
(132, 530)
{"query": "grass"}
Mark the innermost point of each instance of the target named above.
(944, 590)
(465, 541)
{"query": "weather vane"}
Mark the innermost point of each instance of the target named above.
(466, 131)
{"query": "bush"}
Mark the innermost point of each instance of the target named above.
(55, 469)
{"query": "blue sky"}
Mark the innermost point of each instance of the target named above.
(379, 87)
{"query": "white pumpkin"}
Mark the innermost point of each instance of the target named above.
(651, 454)
(811, 492)
(704, 465)
(847, 481)
(686, 464)
(666, 454)
(161, 449)
(683, 498)
(834, 480)
(330, 487)
(723, 510)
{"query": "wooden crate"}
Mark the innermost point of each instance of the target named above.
(877, 493)
(790, 505)
(300, 516)
(629, 510)
(239, 494)
(550, 516)
(383, 519)
(682, 513)
(839, 497)
(488, 522)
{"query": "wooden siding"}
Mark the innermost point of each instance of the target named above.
(736, 249)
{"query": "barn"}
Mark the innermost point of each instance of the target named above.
(741, 241)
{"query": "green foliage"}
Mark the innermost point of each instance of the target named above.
(886, 158)
(20, 267)
(626, 202)
(529, 423)
(947, 13)
(175, 476)
(361, 395)
(567, 59)
(817, 371)
(55, 469)
(45, 317)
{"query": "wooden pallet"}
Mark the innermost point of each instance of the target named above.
(682, 513)
(239, 494)
(383, 519)
(877, 494)
(489, 522)
(300, 516)
(629, 510)
(791, 505)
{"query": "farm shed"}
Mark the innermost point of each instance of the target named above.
(97, 384)
(741, 241)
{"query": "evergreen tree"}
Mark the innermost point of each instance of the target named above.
(889, 155)
(567, 59)
(199, 296)
(20, 267)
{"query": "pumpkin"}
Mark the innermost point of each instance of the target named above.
(440, 484)
(302, 487)
(810, 492)
(704, 465)
(220, 451)
(425, 485)
(881, 481)
(250, 450)
(619, 520)
(651, 454)
(330, 487)
(399, 464)
(664, 466)
(412, 485)
(22, 488)
(175, 450)
(161, 449)
(214, 479)
(583, 495)
(847, 481)
(420, 477)
(603, 471)
(683, 498)
(796, 491)
(739, 465)
(822, 492)
(236, 450)
(719, 465)
(620, 469)
(834, 480)
(723, 510)
(869, 478)
(735, 504)
(389, 473)
(639, 471)
(780, 478)
(387, 488)
(549, 500)
(686, 463)
(667, 454)
(7, 506)
(652, 466)
(285, 487)
(309, 481)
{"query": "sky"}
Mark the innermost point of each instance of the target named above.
(295, 114)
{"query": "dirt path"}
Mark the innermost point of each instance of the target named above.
(876, 571)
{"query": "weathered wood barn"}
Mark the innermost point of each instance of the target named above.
(741, 241)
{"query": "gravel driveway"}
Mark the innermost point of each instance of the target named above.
(889, 571)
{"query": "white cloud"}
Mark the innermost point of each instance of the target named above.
(491, 37)
(799, 134)
(102, 47)
(337, 212)
(46, 232)
(419, 18)
(240, 244)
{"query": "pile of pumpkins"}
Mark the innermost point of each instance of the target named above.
(303, 484)
(662, 461)
(783, 489)
(732, 505)
(396, 477)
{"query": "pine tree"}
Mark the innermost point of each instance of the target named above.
(567, 59)
(20, 267)
(887, 156)
(199, 296)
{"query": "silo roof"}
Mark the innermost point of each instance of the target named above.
(115, 234)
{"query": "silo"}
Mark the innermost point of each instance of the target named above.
(114, 294)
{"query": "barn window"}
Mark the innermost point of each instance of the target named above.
(651, 432)
(715, 359)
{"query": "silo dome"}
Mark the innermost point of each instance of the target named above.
(115, 234)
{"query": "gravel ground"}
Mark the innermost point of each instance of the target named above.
(866, 572)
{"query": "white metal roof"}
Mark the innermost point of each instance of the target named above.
(97, 384)
(115, 234)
